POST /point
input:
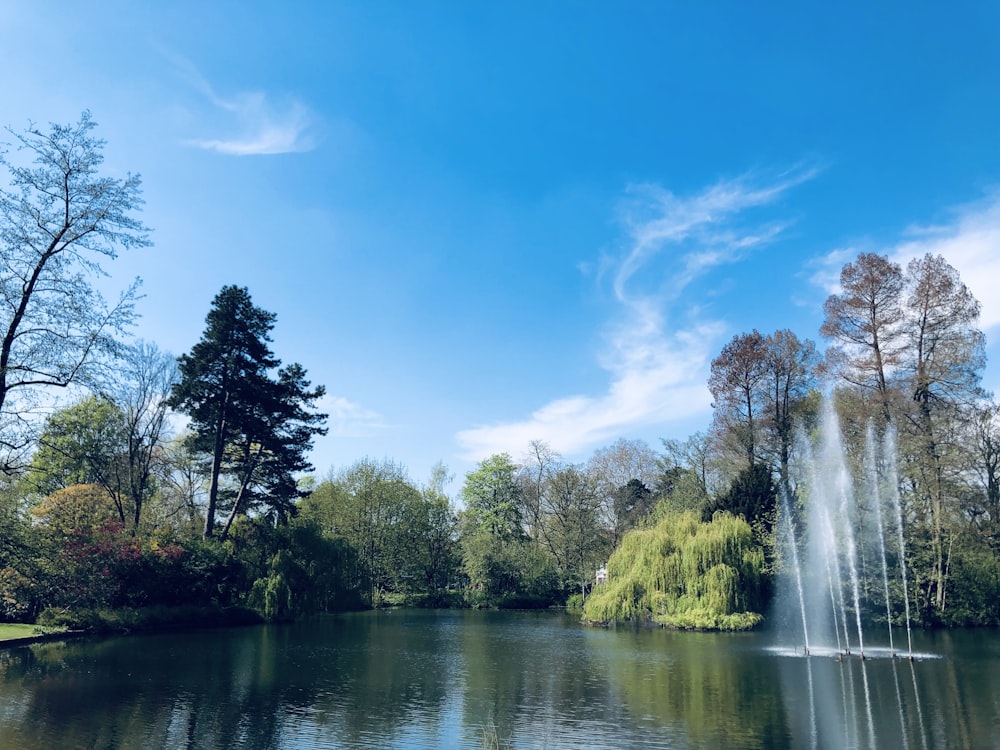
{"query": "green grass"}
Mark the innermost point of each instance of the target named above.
(12, 631)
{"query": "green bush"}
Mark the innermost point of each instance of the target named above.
(575, 602)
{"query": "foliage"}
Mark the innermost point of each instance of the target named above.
(58, 217)
(508, 572)
(493, 499)
(293, 570)
(572, 532)
(257, 429)
(752, 495)
(403, 538)
(684, 574)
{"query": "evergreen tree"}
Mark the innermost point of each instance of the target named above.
(256, 428)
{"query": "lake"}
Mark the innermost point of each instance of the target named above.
(447, 679)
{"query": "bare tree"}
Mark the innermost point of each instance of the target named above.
(535, 469)
(944, 359)
(147, 377)
(791, 375)
(738, 384)
(58, 216)
(864, 320)
(612, 468)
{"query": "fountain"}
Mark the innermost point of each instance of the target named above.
(842, 551)
(837, 549)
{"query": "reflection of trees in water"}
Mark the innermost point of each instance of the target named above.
(172, 691)
(703, 685)
(438, 678)
(538, 674)
(356, 677)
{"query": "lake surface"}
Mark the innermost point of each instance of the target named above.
(441, 679)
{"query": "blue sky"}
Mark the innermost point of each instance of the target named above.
(481, 224)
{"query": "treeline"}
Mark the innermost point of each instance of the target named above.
(102, 507)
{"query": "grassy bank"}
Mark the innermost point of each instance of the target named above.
(14, 632)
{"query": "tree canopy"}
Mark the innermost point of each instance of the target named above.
(256, 428)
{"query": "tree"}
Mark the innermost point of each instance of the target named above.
(536, 468)
(438, 553)
(685, 474)
(945, 348)
(791, 368)
(572, 531)
(501, 561)
(493, 497)
(81, 444)
(58, 217)
(752, 495)
(632, 502)
(864, 320)
(684, 574)
(737, 382)
(256, 429)
(614, 467)
(146, 379)
(944, 359)
(370, 504)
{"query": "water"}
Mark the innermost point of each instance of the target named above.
(438, 679)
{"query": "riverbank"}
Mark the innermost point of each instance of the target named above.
(54, 625)
(21, 634)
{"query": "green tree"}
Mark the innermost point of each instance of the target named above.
(502, 563)
(58, 217)
(257, 429)
(684, 574)
(370, 504)
(83, 443)
(752, 495)
(572, 531)
(493, 497)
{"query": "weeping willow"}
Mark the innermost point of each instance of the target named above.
(686, 574)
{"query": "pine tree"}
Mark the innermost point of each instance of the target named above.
(256, 428)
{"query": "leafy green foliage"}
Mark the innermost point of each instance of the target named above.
(492, 497)
(684, 574)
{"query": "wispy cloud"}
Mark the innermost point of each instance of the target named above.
(349, 419)
(968, 241)
(658, 347)
(971, 243)
(251, 122)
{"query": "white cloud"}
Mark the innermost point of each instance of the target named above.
(348, 419)
(970, 242)
(254, 122)
(263, 128)
(659, 347)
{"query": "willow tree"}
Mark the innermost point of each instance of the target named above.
(686, 574)
(59, 216)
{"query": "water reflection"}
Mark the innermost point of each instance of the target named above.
(436, 679)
